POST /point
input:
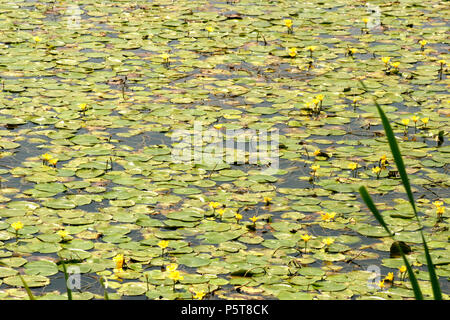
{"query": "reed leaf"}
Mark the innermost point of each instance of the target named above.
(27, 289)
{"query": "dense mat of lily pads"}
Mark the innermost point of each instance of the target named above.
(89, 106)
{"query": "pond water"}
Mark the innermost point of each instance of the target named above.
(89, 84)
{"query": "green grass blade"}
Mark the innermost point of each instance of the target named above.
(412, 277)
(433, 277)
(30, 294)
(66, 277)
(397, 156)
(368, 201)
(105, 292)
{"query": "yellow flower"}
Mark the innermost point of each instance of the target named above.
(383, 158)
(209, 29)
(405, 122)
(437, 204)
(395, 64)
(440, 211)
(425, 120)
(352, 165)
(17, 225)
(320, 97)
(316, 101)
(218, 126)
(315, 167)
(253, 219)
(423, 43)
(82, 106)
(316, 152)
(311, 48)
(381, 284)
(199, 294)
(328, 241)
(165, 57)
(37, 39)
(288, 23)
(267, 200)
(214, 205)
(352, 50)
(306, 237)
(163, 244)
(172, 267)
(415, 118)
(389, 277)
(118, 259)
(376, 170)
(386, 60)
(63, 233)
(402, 269)
(221, 211)
(46, 157)
(53, 162)
(175, 276)
(238, 216)
(442, 62)
(328, 216)
(365, 20)
(292, 52)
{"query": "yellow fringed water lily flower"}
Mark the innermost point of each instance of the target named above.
(376, 170)
(437, 204)
(328, 241)
(37, 39)
(405, 122)
(63, 233)
(163, 244)
(440, 211)
(175, 276)
(17, 225)
(267, 200)
(220, 211)
(199, 294)
(53, 162)
(46, 157)
(395, 64)
(306, 237)
(381, 284)
(253, 219)
(385, 60)
(415, 118)
(425, 120)
(315, 167)
(316, 152)
(214, 205)
(320, 97)
(292, 52)
(288, 23)
(352, 165)
(165, 57)
(209, 29)
(238, 216)
(118, 259)
(423, 43)
(82, 106)
(389, 277)
(311, 48)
